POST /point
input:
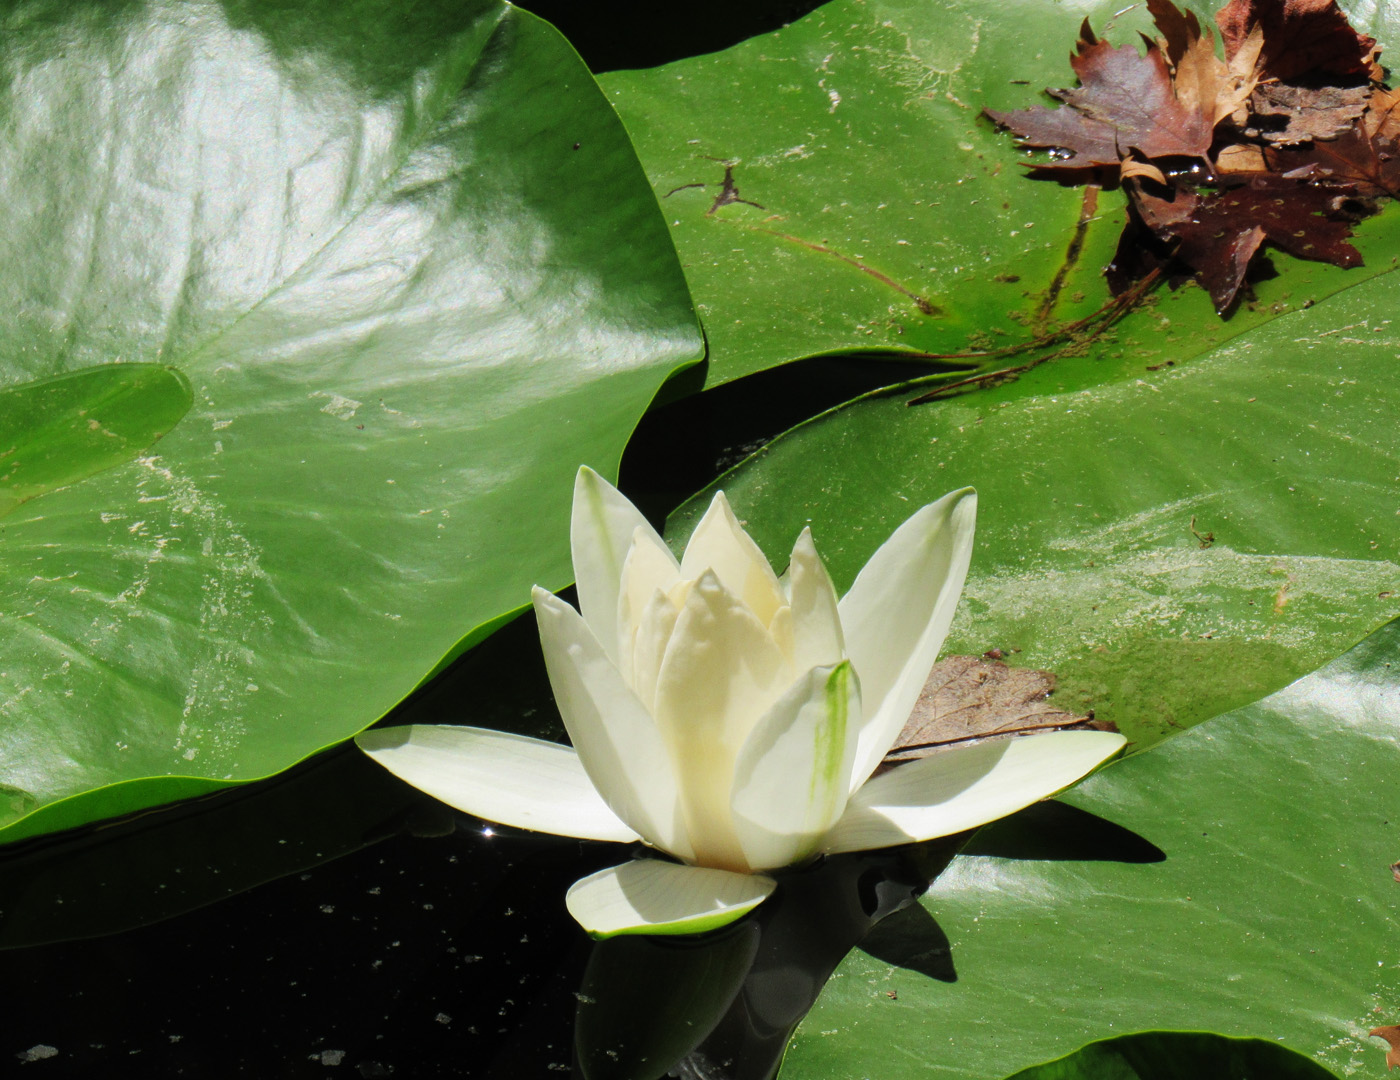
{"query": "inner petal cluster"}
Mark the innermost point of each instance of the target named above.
(709, 646)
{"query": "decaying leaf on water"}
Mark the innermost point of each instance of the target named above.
(1124, 101)
(1301, 38)
(1216, 237)
(1286, 115)
(1281, 142)
(966, 698)
(1391, 1035)
(1364, 160)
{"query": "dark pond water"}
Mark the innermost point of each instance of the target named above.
(396, 937)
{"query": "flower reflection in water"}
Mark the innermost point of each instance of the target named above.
(723, 1005)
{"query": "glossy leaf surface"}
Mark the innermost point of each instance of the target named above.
(1280, 446)
(57, 431)
(858, 200)
(407, 262)
(1272, 913)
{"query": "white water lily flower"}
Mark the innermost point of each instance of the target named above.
(732, 718)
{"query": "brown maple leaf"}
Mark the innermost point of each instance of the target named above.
(969, 698)
(1312, 70)
(1281, 143)
(1285, 115)
(1125, 102)
(1203, 83)
(1366, 158)
(1216, 235)
(1300, 38)
(1391, 1035)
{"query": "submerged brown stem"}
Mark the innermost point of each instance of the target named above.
(1105, 317)
(1088, 210)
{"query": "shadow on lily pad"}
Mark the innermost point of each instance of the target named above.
(1179, 1055)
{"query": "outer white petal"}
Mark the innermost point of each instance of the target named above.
(792, 776)
(897, 614)
(722, 671)
(816, 619)
(648, 896)
(617, 741)
(501, 777)
(719, 543)
(967, 786)
(601, 533)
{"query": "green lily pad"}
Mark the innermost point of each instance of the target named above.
(1272, 914)
(1278, 449)
(857, 200)
(1178, 1055)
(408, 264)
(54, 432)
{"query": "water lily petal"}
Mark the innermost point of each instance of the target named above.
(648, 569)
(967, 786)
(648, 896)
(781, 629)
(601, 534)
(653, 634)
(510, 779)
(897, 614)
(719, 543)
(817, 637)
(792, 776)
(722, 671)
(619, 745)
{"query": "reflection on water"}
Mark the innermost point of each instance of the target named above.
(329, 920)
(724, 1004)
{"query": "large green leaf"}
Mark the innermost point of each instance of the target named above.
(407, 262)
(882, 211)
(1273, 913)
(1282, 445)
(57, 431)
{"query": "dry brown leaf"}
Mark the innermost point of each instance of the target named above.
(1131, 168)
(1241, 160)
(1284, 142)
(1202, 81)
(1366, 157)
(1125, 102)
(969, 698)
(1243, 64)
(1391, 1035)
(1217, 235)
(1286, 115)
(1301, 38)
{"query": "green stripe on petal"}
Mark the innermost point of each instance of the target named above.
(793, 774)
(648, 896)
(967, 786)
(510, 779)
